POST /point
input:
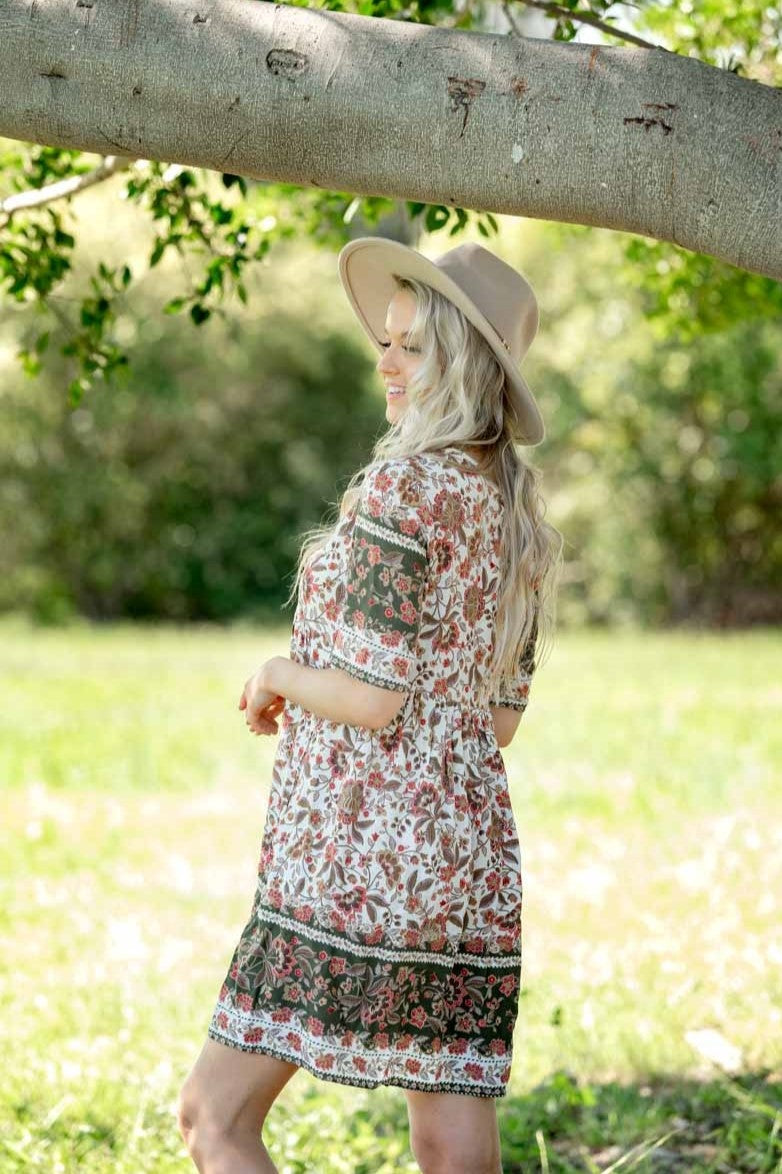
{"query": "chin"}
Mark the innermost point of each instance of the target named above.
(393, 412)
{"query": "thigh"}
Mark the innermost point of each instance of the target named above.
(230, 1087)
(453, 1123)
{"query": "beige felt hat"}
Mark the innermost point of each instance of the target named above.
(495, 297)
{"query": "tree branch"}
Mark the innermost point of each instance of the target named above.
(552, 9)
(70, 186)
(663, 146)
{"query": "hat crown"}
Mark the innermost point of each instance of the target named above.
(502, 294)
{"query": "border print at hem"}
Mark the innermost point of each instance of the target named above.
(477, 1090)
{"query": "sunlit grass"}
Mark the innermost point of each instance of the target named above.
(645, 789)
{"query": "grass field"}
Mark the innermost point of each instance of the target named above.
(645, 784)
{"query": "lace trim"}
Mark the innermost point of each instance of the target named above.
(387, 535)
(430, 957)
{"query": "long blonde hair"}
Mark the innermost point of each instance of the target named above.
(459, 396)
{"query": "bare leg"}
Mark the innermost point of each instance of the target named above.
(233, 1154)
(223, 1105)
(453, 1133)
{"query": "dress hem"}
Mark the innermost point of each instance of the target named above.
(356, 1082)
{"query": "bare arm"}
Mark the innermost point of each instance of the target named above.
(332, 693)
(506, 722)
(339, 697)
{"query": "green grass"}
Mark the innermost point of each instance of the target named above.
(644, 778)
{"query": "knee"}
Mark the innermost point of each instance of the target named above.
(440, 1152)
(201, 1131)
(188, 1106)
(186, 1113)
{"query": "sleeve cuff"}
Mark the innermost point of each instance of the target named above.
(380, 659)
(517, 698)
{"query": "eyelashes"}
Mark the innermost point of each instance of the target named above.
(415, 349)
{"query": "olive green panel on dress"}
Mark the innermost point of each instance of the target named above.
(385, 584)
(369, 1014)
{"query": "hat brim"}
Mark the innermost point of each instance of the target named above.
(366, 266)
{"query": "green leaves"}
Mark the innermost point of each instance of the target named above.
(34, 256)
(199, 313)
(441, 216)
(30, 358)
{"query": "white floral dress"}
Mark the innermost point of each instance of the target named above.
(384, 942)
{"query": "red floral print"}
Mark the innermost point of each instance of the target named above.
(383, 942)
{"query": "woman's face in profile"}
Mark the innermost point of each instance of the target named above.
(399, 361)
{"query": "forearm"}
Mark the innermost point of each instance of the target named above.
(506, 723)
(327, 692)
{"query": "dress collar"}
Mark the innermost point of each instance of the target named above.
(455, 451)
(454, 448)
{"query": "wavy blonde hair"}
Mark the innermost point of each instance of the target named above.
(459, 396)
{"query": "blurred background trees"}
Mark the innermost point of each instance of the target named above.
(180, 490)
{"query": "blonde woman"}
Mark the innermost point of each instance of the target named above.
(383, 946)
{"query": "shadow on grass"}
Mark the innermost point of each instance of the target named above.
(728, 1125)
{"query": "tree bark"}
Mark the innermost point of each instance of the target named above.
(640, 140)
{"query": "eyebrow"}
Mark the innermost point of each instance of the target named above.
(405, 333)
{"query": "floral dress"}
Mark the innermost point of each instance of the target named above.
(383, 946)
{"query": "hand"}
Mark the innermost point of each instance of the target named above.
(261, 706)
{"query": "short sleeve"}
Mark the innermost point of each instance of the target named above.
(376, 632)
(514, 694)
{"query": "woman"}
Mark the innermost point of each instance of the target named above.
(383, 944)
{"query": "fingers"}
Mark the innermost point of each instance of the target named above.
(262, 727)
(268, 713)
(261, 720)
